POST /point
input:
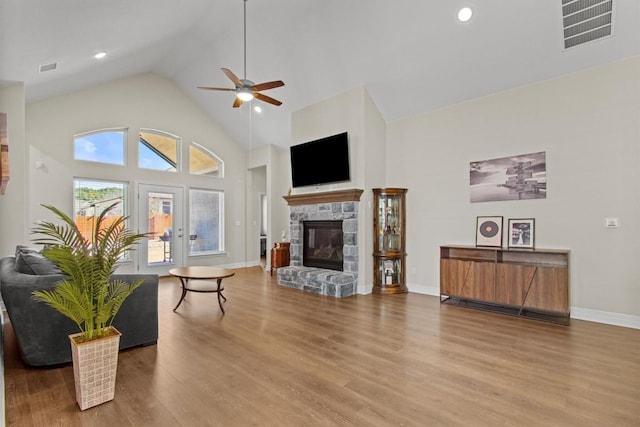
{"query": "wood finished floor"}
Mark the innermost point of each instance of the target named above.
(282, 357)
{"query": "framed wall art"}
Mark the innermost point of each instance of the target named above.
(489, 231)
(521, 177)
(521, 233)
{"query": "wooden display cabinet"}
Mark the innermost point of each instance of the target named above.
(389, 268)
(531, 283)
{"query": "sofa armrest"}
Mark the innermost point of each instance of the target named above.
(137, 319)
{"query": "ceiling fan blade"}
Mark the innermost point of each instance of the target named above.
(216, 88)
(237, 102)
(266, 98)
(236, 81)
(268, 85)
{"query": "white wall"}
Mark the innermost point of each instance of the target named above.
(13, 204)
(589, 125)
(257, 185)
(278, 185)
(375, 176)
(143, 101)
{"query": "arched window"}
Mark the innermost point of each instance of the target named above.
(204, 162)
(158, 150)
(103, 146)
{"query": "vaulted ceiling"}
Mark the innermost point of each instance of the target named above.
(411, 55)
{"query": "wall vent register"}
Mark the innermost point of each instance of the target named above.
(586, 20)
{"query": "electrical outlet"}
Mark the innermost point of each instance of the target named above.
(611, 222)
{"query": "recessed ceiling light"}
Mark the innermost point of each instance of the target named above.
(465, 14)
(100, 55)
(257, 109)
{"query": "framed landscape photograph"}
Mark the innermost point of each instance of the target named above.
(521, 177)
(489, 231)
(521, 233)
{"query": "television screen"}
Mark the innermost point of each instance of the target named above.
(321, 161)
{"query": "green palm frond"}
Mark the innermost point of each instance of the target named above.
(69, 300)
(88, 296)
(118, 291)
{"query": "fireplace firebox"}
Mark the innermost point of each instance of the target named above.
(323, 244)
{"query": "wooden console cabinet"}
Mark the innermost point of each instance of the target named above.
(279, 255)
(531, 283)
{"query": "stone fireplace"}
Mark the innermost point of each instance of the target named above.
(324, 211)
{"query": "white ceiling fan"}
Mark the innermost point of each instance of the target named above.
(246, 90)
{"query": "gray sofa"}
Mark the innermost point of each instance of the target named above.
(42, 332)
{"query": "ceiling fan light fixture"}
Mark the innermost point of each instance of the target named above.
(245, 95)
(246, 90)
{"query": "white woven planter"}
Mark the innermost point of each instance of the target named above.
(94, 369)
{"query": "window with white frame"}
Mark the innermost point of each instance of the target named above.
(203, 162)
(102, 146)
(91, 197)
(158, 150)
(206, 212)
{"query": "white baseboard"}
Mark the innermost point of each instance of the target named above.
(423, 289)
(606, 317)
(364, 289)
(240, 264)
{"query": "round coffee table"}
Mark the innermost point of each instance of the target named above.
(201, 275)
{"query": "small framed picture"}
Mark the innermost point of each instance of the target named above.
(521, 233)
(489, 231)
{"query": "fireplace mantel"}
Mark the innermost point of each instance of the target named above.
(325, 197)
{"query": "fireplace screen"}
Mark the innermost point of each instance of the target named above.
(322, 245)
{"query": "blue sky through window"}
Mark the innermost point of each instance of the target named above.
(151, 160)
(103, 147)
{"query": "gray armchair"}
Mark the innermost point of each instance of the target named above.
(42, 332)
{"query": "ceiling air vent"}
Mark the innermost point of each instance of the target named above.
(48, 67)
(585, 20)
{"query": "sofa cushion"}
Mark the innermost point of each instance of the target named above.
(21, 249)
(34, 263)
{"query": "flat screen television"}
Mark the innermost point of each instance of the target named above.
(321, 161)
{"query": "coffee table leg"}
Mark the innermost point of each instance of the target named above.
(183, 282)
(219, 292)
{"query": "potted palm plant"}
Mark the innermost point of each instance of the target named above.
(88, 295)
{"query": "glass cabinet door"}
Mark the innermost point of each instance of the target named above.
(390, 272)
(390, 226)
